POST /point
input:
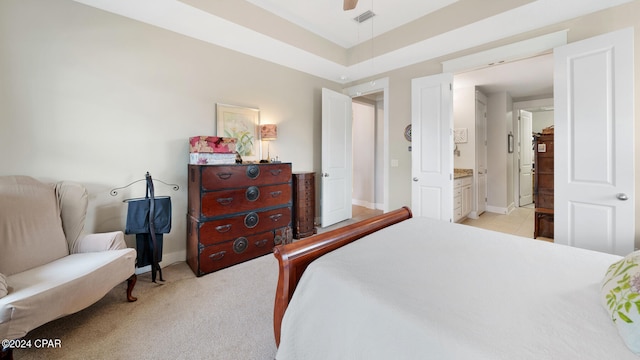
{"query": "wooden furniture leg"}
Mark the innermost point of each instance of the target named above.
(6, 354)
(131, 282)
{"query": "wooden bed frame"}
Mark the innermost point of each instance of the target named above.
(294, 258)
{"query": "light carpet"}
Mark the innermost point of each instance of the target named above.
(227, 314)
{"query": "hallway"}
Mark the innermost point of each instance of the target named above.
(520, 222)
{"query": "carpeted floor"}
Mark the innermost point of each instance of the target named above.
(227, 314)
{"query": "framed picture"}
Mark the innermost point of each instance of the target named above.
(240, 123)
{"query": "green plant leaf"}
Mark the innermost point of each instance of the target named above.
(625, 318)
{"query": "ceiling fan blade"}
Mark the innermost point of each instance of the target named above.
(349, 4)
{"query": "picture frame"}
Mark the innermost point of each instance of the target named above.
(241, 123)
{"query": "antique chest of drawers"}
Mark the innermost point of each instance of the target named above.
(236, 213)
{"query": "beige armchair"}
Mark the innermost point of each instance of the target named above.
(48, 267)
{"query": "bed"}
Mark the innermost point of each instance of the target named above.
(398, 287)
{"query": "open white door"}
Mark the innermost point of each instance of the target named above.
(432, 147)
(336, 186)
(594, 201)
(525, 157)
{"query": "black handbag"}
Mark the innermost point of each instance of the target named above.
(148, 218)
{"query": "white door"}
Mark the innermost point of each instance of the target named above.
(526, 157)
(481, 153)
(594, 145)
(432, 147)
(336, 175)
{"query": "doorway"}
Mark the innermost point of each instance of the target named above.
(525, 85)
(374, 97)
(368, 113)
(531, 118)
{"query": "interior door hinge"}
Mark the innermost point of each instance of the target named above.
(450, 86)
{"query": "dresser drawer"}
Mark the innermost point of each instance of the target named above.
(236, 176)
(222, 255)
(216, 231)
(226, 202)
(457, 202)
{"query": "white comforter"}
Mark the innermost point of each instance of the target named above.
(425, 289)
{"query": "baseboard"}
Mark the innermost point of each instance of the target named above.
(367, 204)
(498, 210)
(167, 259)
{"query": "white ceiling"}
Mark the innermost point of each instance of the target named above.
(521, 79)
(327, 19)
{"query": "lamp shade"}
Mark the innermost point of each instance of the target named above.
(268, 132)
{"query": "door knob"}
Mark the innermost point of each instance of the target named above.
(415, 179)
(325, 174)
(622, 196)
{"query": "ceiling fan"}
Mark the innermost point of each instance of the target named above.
(349, 4)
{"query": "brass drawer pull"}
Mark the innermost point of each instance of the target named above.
(261, 243)
(223, 228)
(276, 193)
(275, 217)
(217, 256)
(224, 201)
(275, 172)
(224, 175)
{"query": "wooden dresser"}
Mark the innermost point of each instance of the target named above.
(236, 213)
(543, 186)
(304, 204)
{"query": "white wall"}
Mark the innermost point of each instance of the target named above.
(541, 120)
(499, 160)
(100, 99)
(364, 144)
(464, 116)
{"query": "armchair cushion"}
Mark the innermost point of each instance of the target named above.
(73, 200)
(29, 219)
(100, 242)
(72, 283)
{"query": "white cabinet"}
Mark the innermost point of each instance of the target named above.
(462, 197)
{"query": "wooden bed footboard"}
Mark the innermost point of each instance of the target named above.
(294, 258)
